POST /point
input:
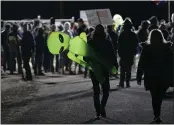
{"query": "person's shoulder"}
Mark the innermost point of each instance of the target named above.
(144, 45)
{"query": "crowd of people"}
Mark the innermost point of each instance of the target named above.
(153, 41)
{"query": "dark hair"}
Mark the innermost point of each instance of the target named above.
(40, 31)
(99, 32)
(127, 24)
(145, 24)
(156, 37)
(154, 20)
(80, 20)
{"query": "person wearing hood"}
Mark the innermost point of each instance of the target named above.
(100, 44)
(127, 48)
(153, 23)
(156, 64)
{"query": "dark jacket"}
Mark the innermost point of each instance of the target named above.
(152, 27)
(127, 44)
(27, 43)
(81, 29)
(104, 48)
(165, 34)
(39, 44)
(113, 37)
(157, 66)
(142, 35)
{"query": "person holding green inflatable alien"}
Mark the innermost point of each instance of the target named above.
(94, 55)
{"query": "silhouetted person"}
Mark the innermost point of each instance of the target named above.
(156, 63)
(82, 28)
(27, 47)
(14, 50)
(53, 29)
(104, 47)
(153, 23)
(39, 40)
(89, 37)
(46, 62)
(4, 39)
(143, 33)
(164, 31)
(113, 37)
(127, 45)
(67, 61)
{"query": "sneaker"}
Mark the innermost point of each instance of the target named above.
(120, 86)
(97, 117)
(128, 85)
(103, 112)
(41, 74)
(157, 121)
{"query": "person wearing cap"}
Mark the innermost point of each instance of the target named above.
(127, 48)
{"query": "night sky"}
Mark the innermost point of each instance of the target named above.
(136, 10)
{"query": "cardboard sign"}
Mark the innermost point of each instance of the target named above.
(98, 16)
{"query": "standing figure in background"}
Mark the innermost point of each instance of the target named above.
(4, 39)
(113, 37)
(82, 28)
(67, 61)
(46, 62)
(153, 23)
(14, 50)
(53, 29)
(39, 52)
(27, 47)
(127, 46)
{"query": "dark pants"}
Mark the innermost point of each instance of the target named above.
(6, 62)
(46, 62)
(26, 58)
(52, 62)
(12, 62)
(19, 61)
(57, 63)
(38, 63)
(125, 70)
(157, 94)
(96, 88)
(86, 72)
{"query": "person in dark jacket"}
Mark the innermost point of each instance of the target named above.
(127, 46)
(100, 44)
(153, 23)
(27, 47)
(156, 63)
(89, 37)
(164, 31)
(14, 50)
(46, 62)
(39, 52)
(4, 38)
(143, 33)
(113, 37)
(82, 28)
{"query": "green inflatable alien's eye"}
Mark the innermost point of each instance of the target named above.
(61, 38)
(61, 49)
(76, 55)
